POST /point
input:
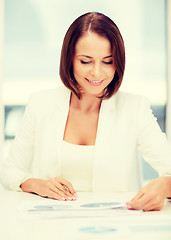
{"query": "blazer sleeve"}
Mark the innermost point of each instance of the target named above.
(152, 142)
(16, 167)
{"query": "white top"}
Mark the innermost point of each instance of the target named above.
(77, 165)
(125, 124)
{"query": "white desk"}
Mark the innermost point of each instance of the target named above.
(13, 227)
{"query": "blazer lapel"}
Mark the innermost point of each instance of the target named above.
(104, 144)
(61, 114)
(105, 138)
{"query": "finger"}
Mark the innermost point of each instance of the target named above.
(140, 203)
(65, 193)
(53, 188)
(138, 195)
(149, 207)
(148, 201)
(51, 194)
(61, 193)
(154, 206)
(157, 208)
(57, 185)
(65, 189)
(63, 196)
(56, 196)
(68, 184)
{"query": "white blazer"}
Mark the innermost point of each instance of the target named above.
(125, 123)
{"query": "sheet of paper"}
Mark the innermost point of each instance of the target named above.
(97, 220)
(112, 229)
(70, 209)
(52, 205)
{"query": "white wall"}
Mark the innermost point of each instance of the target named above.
(168, 113)
(1, 57)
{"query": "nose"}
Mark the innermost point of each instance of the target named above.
(96, 70)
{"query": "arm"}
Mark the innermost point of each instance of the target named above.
(16, 174)
(152, 196)
(156, 151)
(16, 166)
(53, 188)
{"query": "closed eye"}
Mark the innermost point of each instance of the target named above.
(88, 62)
(85, 62)
(108, 62)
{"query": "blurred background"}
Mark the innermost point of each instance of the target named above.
(33, 35)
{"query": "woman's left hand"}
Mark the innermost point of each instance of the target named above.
(152, 196)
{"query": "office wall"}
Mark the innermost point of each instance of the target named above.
(168, 113)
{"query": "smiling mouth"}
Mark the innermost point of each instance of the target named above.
(94, 83)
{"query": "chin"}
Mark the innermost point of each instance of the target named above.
(94, 93)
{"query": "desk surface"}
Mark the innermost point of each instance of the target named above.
(150, 225)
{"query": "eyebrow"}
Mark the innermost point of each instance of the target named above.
(91, 57)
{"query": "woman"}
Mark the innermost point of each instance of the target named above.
(84, 136)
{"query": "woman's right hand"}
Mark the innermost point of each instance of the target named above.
(57, 188)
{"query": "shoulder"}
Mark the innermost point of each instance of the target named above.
(47, 100)
(135, 109)
(130, 104)
(48, 95)
(129, 99)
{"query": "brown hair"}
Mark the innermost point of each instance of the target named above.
(103, 26)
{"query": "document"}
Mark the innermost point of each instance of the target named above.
(61, 209)
(73, 206)
(95, 219)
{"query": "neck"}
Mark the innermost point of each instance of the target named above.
(87, 103)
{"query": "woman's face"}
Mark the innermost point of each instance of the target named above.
(93, 64)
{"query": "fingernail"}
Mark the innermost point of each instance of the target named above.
(69, 198)
(75, 194)
(128, 206)
(62, 198)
